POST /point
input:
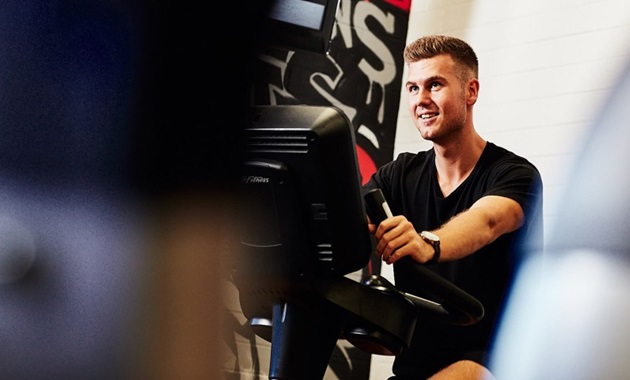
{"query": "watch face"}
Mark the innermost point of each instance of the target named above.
(430, 235)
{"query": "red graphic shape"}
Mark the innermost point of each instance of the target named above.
(405, 5)
(367, 167)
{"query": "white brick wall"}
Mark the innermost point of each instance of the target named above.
(546, 68)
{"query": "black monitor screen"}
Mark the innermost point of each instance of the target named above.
(302, 24)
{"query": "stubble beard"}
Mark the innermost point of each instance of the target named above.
(444, 131)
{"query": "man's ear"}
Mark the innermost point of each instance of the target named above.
(473, 91)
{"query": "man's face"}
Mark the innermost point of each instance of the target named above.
(437, 99)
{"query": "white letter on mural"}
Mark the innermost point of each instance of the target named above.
(383, 77)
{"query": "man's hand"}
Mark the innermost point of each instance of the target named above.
(396, 238)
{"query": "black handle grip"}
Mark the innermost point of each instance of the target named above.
(376, 206)
(457, 307)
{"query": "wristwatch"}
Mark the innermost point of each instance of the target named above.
(434, 240)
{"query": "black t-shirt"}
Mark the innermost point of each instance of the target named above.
(410, 187)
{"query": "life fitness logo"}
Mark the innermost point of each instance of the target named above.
(255, 179)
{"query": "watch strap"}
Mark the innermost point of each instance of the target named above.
(435, 243)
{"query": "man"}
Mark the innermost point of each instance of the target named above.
(478, 199)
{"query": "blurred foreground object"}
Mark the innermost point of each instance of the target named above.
(119, 138)
(567, 316)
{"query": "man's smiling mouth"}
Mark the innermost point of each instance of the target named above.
(426, 116)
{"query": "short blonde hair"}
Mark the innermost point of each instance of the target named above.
(434, 45)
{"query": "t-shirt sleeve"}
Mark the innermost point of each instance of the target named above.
(519, 180)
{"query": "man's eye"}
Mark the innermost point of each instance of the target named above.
(413, 89)
(434, 85)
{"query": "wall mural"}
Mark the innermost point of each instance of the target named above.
(361, 75)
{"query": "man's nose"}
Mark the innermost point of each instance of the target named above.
(423, 97)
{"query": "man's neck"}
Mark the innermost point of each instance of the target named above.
(456, 160)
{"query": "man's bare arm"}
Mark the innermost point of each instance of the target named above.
(486, 220)
(467, 232)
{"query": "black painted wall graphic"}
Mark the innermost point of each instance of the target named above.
(361, 74)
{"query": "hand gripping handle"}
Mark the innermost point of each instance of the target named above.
(457, 306)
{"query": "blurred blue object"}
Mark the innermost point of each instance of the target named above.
(70, 234)
(67, 92)
(567, 316)
(108, 108)
(68, 311)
